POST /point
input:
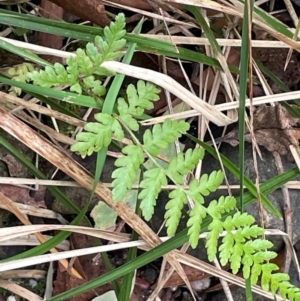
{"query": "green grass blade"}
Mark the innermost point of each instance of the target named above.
(88, 33)
(26, 54)
(54, 105)
(173, 243)
(243, 91)
(81, 100)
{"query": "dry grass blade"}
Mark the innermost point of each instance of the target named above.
(36, 274)
(289, 55)
(9, 233)
(228, 106)
(34, 211)
(175, 88)
(19, 290)
(5, 98)
(24, 219)
(31, 240)
(58, 158)
(222, 42)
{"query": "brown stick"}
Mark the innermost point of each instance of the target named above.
(91, 10)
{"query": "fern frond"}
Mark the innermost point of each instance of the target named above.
(126, 173)
(212, 238)
(94, 85)
(87, 62)
(277, 279)
(205, 185)
(139, 100)
(51, 76)
(225, 248)
(267, 270)
(215, 210)
(284, 288)
(225, 204)
(182, 164)
(153, 180)
(238, 220)
(113, 41)
(236, 256)
(97, 135)
(197, 214)
(142, 98)
(85, 65)
(178, 199)
(162, 135)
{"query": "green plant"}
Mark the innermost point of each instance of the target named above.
(241, 245)
(20, 73)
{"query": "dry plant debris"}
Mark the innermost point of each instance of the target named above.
(274, 128)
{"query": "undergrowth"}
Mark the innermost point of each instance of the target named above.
(242, 246)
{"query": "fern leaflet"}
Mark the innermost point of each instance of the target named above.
(126, 173)
(182, 164)
(178, 199)
(98, 135)
(138, 100)
(80, 69)
(153, 180)
(162, 135)
(197, 214)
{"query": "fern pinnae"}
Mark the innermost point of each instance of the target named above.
(183, 163)
(97, 135)
(197, 214)
(152, 183)
(126, 173)
(178, 199)
(162, 135)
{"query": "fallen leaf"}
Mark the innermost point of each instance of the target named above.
(85, 265)
(15, 167)
(90, 10)
(191, 273)
(274, 128)
(51, 11)
(20, 195)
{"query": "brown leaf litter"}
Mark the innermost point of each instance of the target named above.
(274, 128)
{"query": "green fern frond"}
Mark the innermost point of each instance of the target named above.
(197, 214)
(126, 173)
(215, 229)
(80, 69)
(162, 135)
(277, 279)
(94, 85)
(113, 41)
(51, 76)
(97, 135)
(142, 98)
(153, 180)
(182, 164)
(139, 99)
(224, 204)
(178, 199)
(241, 246)
(206, 185)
